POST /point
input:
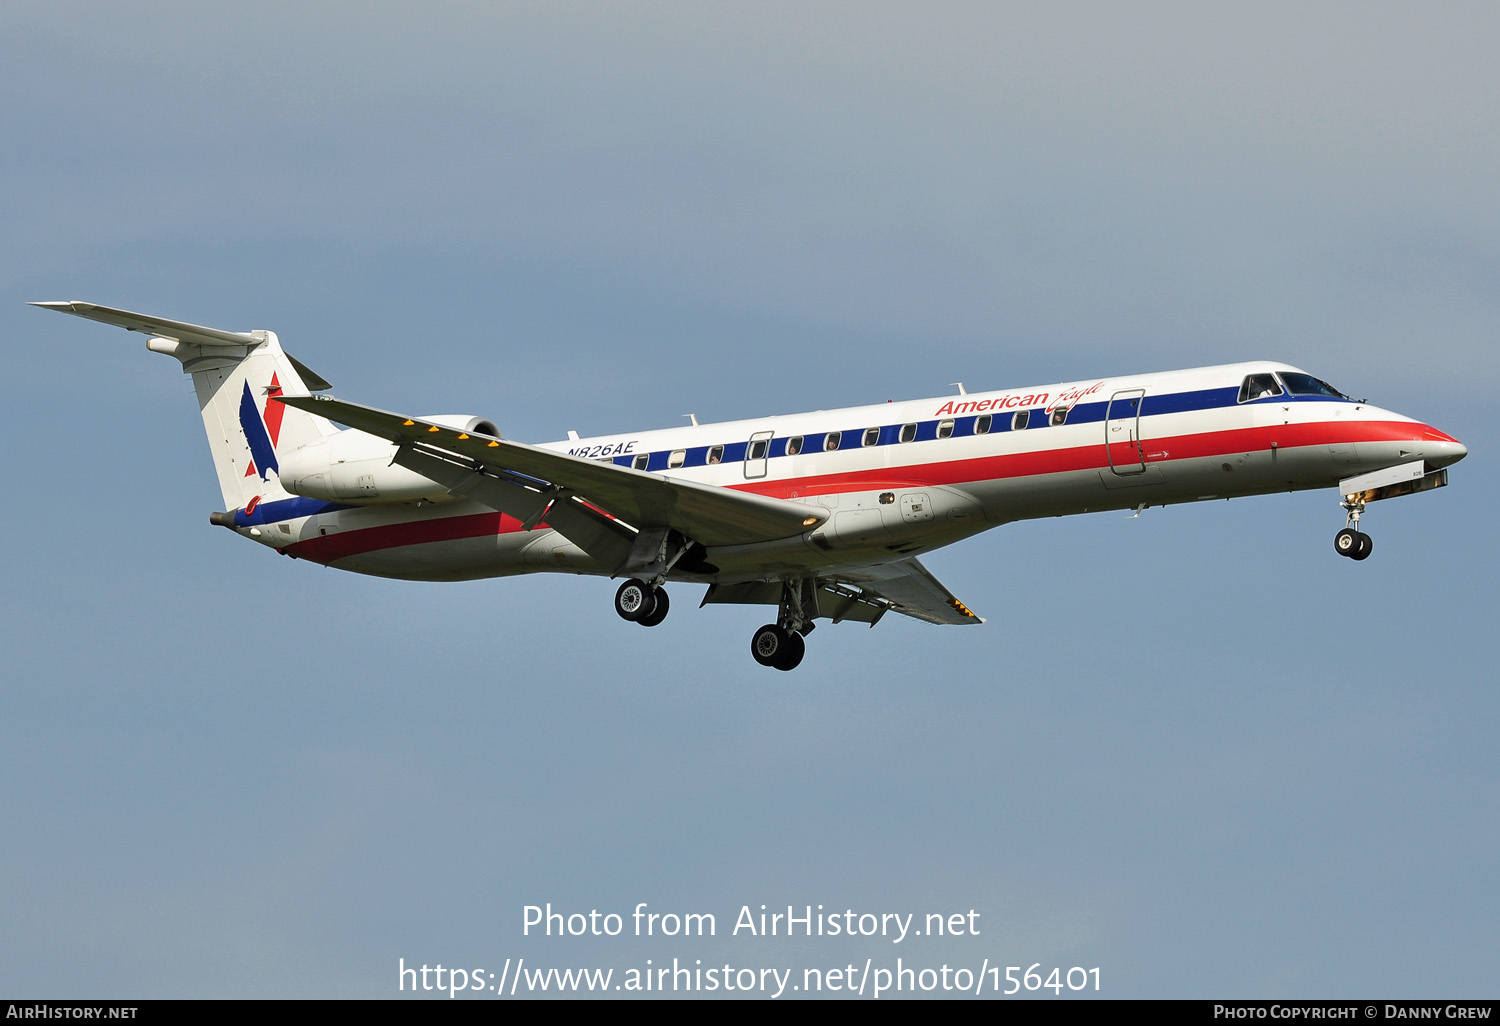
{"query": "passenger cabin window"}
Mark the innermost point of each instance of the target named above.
(1258, 386)
(908, 432)
(945, 429)
(1305, 384)
(677, 459)
(982, 425)
(794, 445)
(1020, 420)
(1059, 418)
(831, 443)
(642, 461)
(872, 436)
(716, 455)
(758, 449)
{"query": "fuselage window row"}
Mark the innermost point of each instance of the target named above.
(1262, 385)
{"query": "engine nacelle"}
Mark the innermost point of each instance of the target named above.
(355, 467)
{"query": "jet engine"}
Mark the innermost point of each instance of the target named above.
(355, 467)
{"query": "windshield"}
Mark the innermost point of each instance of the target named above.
(1298, 383)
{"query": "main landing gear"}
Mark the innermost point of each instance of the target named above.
(780, 644)
(1351, 541)
(777, 646)
(642, 603)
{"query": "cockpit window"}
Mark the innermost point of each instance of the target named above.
(1298, 383)
(1258, 386)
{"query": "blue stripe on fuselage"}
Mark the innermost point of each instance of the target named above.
(964, 424)
(285, 509)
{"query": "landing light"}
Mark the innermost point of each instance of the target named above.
(809, 521)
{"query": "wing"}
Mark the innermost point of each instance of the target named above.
(704, 513)
(864, 594)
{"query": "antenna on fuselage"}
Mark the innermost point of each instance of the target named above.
(692, 417)
(961, 389)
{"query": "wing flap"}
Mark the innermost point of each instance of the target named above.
(911, 589)
(863, 594)
(704, 513)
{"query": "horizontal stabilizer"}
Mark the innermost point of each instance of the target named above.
(193, 334)
(160, 326)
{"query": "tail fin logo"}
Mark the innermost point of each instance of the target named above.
(262, 432)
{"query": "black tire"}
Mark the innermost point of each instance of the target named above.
(769, 644)
(659, 612)
(635, 600)
(792, 653)
(1364, 547)
(1346, 542)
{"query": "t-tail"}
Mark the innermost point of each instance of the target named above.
(236, 375)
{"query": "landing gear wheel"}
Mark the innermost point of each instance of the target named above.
(635, 600)
(1363, 547)
(1345, 543)
(777, 647)
(769, 644)
(795, 649)
(659, 613)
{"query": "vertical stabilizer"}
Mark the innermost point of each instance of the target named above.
(236, 374)
(246, 428)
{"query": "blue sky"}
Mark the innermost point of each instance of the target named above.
(1196, 749)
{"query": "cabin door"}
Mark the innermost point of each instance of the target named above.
(1122, 432)
(757, 451)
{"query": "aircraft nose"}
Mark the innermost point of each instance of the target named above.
(1442, 449)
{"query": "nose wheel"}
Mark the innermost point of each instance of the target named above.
(1351, 541)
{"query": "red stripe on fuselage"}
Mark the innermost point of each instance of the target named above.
(344, 544)
(1094, 457)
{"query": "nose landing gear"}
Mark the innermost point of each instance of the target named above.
(1351, 541)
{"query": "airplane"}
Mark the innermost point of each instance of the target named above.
(821, 515)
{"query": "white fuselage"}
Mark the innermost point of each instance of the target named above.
(905, 477)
